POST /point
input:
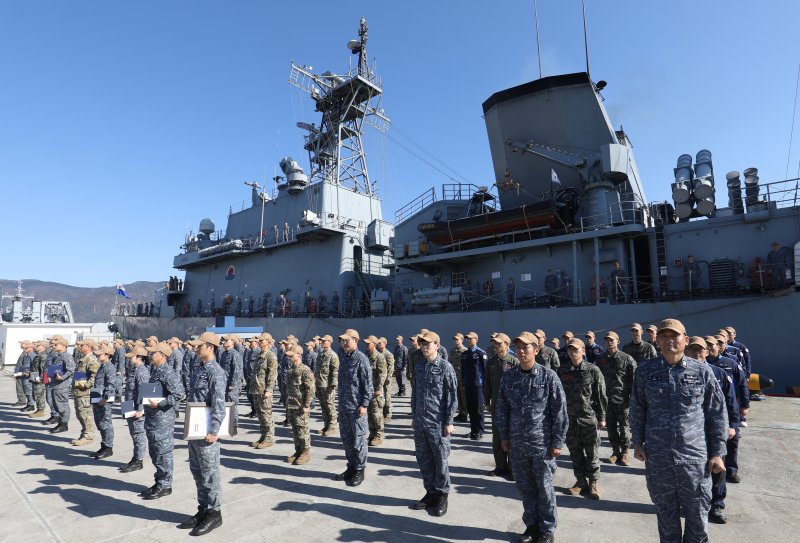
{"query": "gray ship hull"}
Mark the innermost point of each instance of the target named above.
(759, 322)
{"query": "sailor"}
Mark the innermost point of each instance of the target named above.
(378, 365)
(309, 357)
(137, 375)
(87, 366)
(511, 292)
(61, 385)
(230, 360)
(563, 355)
(496, 366)
(300, 391)
(400, 363)
(387, 385)
(238, 344)
(778, 265)
(411, 357)
(24, 368)
(593, 350)
(746, 362)
(585, 391)
(175, 360)
(551, 286)
(326, 375)
(455, 359)
(39, 365)
(18, 371)
(433, 405)
(159, 420)
(691, 274)
(251, 354)
(651, 338)
(282, 369)
(618, 369)
(679, 426)
(318, 345)
(265, 374)
(190, 363)
(106, 387)
(119, 360)
(547, 356)
(473, 369)
(619, 281)
(640, 350)
(51, 355)
(698, 349)
(532, 421)
(151, 341)
(355, 393)
(742, 391)
(209, 386)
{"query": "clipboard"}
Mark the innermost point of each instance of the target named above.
(150, 391)
(197, 419)
(127, 409)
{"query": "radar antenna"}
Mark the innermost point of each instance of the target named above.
(335, 148)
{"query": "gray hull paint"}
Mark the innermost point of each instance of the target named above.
(759, 322)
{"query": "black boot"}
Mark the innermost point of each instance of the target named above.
(104, 452)
(530, 535)
(133, 465)
(61, 427)
(211, 520)
(439, 507)
(425, 502)
(52, 420)
(348, 473)
(356, 479)
(194, 520)
(28, 409)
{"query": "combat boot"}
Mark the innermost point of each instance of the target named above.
(425, 502)
(625, 460)
(82, 441)
(264, 444)
(52, 420)
(133, 465)
(290, 459)
(259, 440)
(36, 415)
(17, 404)
(594, 490)
(60, 428)
(104, 452)
(376, 441)
(304, 457)
(211, 521)
(28, 409)
(329, 432)
(579, 487)
(614, 457)
(439, 507)
(194, 520)
(345, 476)
(356, 479)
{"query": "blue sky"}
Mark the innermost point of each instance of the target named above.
(122, 124)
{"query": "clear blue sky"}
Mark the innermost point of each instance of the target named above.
(122, 124)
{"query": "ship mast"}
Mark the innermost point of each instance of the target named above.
(346, 102)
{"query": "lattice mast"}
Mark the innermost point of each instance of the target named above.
(335, 148)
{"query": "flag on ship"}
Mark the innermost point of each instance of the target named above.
(122, 292)
(554, 177)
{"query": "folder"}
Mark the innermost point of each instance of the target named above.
(127, 409)
(35, 377)
(97, 394)
(80, 376)
(52, 370)
(198, 419)
(150, 391)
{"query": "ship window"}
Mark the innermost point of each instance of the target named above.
(457, 279)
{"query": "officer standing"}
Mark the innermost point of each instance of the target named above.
(387, 385)
(355, 393)
(251, 354)
(400, 363)
(50, 356)
(593, 350)
(137, 375)
(618, 370)
(39, 365)
(411, 354)
(651, 338)
(326, 376)
(265, 374)
(209, 386)
(159, 420)
(585, 391)
(747, 364)
(309, 357)
(532, 421)
(118, 359)
(473, 368)
(639, 349)
(106, 386)
(283, 367)
(60, 386)
(497, 365)
(190, 363)
(24, 381)
(547, 357)
(434, 402)
(81, 391)
(379, 375)
(230, 360)
(300, 391)
(679, 427)
(455, 359)
(19, 369)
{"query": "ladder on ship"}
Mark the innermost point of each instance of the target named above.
(661, 254)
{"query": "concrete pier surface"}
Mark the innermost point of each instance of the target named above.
(53, 491)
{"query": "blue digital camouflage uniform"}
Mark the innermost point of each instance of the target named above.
(18, 368)
(233, 366)
(741, 389)
(119, 363)
(105, 382)
(248, 364)
(159, 423)
(50, 355)
(175, 361)
(678, 417)
(60, 389)
(473, 368)
(283, 367)
(27, 384)
(719, 489)
(310, 359)
(495, 368)
(747, 364)
(190, 363)
(355, 390)
(138, 375)
(400, 362)
(532, 417)
(434, 402)
(208, 385)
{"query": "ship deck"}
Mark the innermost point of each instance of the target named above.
(54, 492)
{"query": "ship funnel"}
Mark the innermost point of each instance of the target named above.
(734, 192)
(682, 188)
(751, 187)
(703, 175)
(296, 179)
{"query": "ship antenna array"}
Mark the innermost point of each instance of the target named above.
(585, 39)
(538, 46)
(335, 147)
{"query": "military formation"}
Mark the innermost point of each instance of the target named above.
(679, 402)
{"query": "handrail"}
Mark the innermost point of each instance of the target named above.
(417, 204)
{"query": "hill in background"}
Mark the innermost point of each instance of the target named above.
(88, 304)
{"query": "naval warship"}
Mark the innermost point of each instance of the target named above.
(565, 238)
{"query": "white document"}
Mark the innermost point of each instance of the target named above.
(97, 399)
(198, 420)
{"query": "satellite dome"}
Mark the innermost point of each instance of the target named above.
(207, 226)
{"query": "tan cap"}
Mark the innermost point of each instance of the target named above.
(317, 337)
(554, 341)
(136, 351)
(297, 349)
(422, 331)
(399, 337)
(539, 333)
(711, 340)
(458, 335)
(472, 335)
(722, 332)
(611, 334)
(383, 340)
(636, 326)
(266, 336)
(568, 335)
(42, 343)
(327, 337)
(653, 328)
(283, 342)
(25, 343)
(290, 336)
(104, 349)
(493, 334)
(310, 343)
(527, 338)
(162, 347)
(55, 337)
(350, 333)
(671, 324)
(589, 334)
(173, 339)
(61, 341)
(208, 337)
(501, 338)
(576, 342)
(371, 339)
(139, 342)
(88, 341)
(429, 337)
(697, 340)
(721, 339)
(152, 337)
(730, 329)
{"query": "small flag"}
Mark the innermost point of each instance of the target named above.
(122, 292)
(554, 177)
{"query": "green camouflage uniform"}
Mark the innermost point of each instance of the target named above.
(299, 393)
(495, 368)
(39, 364)
(414, 357)
(548, 357)
(82, 395)
(455, 360)
(326, 375)
(640, 352)
(387, 385)
(265, 375)
(378, 364)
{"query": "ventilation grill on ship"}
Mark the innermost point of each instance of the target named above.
(723, 274)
